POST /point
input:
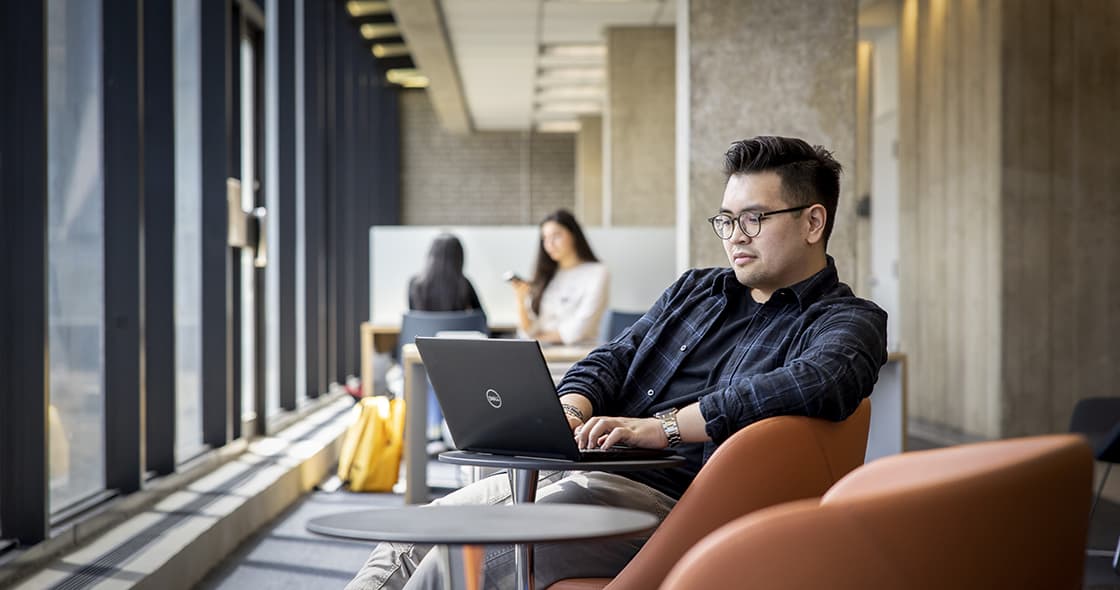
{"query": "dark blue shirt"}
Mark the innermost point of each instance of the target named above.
(814, 349)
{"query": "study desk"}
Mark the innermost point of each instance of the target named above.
(484, 525)
(416, 412)
(376, 338)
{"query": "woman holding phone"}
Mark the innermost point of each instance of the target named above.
(566, 297)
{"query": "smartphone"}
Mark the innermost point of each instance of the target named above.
(511, 276)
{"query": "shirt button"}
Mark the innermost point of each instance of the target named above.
(650, 393)
(683, 347)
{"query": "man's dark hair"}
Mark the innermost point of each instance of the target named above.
(809, 173)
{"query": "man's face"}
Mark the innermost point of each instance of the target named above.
(781, 254)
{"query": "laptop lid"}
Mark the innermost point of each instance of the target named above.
(498, 397)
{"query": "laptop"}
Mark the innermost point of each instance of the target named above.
(498, 397)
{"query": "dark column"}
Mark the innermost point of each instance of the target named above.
(333, 155)
(217, 402)
(285, 243)
(158, 156)
(314, 117)
(23, 262)
(123, 388)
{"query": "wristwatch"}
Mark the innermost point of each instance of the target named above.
(669, 424)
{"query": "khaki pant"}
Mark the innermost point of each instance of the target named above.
(397, 565)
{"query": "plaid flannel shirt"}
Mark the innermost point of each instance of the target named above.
(814, 349)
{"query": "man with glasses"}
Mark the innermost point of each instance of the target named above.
(775, 334)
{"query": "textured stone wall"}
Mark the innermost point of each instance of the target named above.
(770, 67)
(1010, 260)
(481, 178)
(589, 171)
(640, 119)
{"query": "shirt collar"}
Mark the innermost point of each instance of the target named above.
(813, 288)
(805, 293)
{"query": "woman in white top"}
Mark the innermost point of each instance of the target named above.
(568, 293)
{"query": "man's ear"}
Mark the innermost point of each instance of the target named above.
(816, 216)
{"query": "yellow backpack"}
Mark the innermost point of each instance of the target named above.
(370, 458)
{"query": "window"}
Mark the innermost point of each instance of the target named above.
(75, 273)
(188, 231)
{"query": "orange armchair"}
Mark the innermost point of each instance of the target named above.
(771, 461)
(1003, 514)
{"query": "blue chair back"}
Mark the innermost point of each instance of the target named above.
(430, 323)
(614, 322)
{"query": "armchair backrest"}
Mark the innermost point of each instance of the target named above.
(771, 461)
(1003, 514)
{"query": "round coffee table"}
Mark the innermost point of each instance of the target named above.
(523, 473)
(517, 524)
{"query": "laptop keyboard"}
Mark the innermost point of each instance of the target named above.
(620, 453)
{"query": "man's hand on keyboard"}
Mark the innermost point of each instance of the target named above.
(605, 432)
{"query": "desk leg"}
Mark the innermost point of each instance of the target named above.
(523, 485)
(415, 433)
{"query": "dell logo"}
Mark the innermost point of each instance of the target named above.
(493, 398)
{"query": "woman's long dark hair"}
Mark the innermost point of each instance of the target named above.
(442, 286)
(546, 267)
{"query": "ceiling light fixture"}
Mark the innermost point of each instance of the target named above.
(568, 126)
(358, 8)
(575, 92)
(407, 77)
(373, 31)
(565, 76)
(570, 107)
(585, 50)
(389, 49)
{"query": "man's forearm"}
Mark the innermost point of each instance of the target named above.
(692, 424)
(579, 402)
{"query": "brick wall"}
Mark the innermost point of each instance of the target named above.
(492, 178)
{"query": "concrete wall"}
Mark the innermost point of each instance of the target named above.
(639, 126)
(589, 171)
(1009, 255)
(949, 212)
(482, 178)
(772, 67)
(1060, 209)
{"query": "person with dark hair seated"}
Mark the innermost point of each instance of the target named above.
(441, 286)
(777, 333)
(568, 293)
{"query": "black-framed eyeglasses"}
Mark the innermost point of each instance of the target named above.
(749, 221)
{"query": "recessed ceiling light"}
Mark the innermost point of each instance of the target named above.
(570, 107)
(379, 30)
(575, 50)
(569, 93)
(367, 7)
(554, 76)
(558, 126)
(389, 49)
(407, 77)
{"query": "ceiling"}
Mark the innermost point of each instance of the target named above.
(505, 65)
(514, 65)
